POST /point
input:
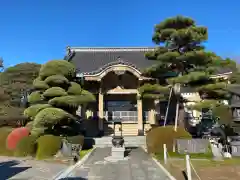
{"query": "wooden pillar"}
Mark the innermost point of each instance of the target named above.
(152, 112)
(140, 117)
(151, 116)
(100, 112)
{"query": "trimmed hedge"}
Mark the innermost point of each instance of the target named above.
(40, 84)
(35, 97)
(224, 113)
(48, 146)
(164, 135)
(56, 80)
(37, 131)
(26, 146)
(54, 67)
(29, 125)
(4, 132)
(50, 116)
(76, 139)
(54, 92)
(15, 136)
(74, 89)
(33, 110)
(72, 101)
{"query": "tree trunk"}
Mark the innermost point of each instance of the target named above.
(181, 117)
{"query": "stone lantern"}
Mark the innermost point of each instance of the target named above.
(117, 140)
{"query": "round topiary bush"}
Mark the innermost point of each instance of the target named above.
(54, 67)
(35, 97)
(164, 135)
(48, 146)
(40, 84)
(50, 116)
(71, 101)
(29, 125)
(33, 110)
(56, 80)
(54, 92)
(26, 146)
(74, 89)
(15, 136)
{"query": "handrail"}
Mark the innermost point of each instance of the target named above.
(123, 115)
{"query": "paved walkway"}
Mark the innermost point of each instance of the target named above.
(139, 166)
(19, 169)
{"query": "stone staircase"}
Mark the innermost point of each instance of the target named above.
(130, 141)
(128, 129)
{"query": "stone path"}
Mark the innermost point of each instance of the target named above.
(139, 166)
(22, 169)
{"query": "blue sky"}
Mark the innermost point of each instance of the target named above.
(40, 30)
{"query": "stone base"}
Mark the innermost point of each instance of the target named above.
(118, 152)
(114, 159)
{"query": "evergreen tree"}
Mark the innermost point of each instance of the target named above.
(55, 99)
(181, 60)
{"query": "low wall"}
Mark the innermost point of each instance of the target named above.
(192, 146)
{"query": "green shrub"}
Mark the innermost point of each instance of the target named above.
(15, 136)
(76, 139)
(54, 67)
(29, 125)
(74, 89)
(37, 131)
(33, 110)
(4, 132)
(54, 92)
(26, 146)
(40, 84)
(164, 135)
(72, 101)
(35, 97)
(48, 146)
(224, 113)
(50, 116)
(56, 80)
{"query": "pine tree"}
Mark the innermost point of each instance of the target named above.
(55, 99)
(181, 60)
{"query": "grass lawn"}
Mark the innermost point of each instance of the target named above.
(206, 168)
(84, 152)
(4, 131)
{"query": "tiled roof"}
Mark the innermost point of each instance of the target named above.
(92, 60)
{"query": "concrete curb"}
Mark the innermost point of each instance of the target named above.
(65, 173)
(162, 168)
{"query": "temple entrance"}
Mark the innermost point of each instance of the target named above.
(121, 108)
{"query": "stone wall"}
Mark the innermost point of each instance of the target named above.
(192, 146)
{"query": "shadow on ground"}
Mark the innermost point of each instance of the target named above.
(73, 178)
(7, 170)
(129, 150)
